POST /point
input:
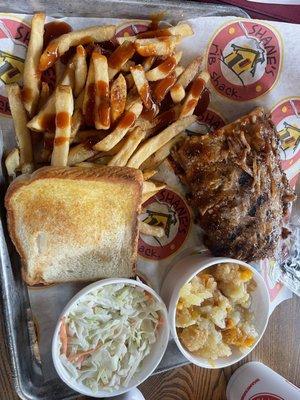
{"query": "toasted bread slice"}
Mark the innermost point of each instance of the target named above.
(71, 223)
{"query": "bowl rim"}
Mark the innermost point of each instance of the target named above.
(79, 295)
(175, 297)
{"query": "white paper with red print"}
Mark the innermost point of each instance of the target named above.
(251, 63)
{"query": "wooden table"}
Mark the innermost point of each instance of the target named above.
(279, 349)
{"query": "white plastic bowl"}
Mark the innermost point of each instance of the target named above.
(148, 364)
(182, 272)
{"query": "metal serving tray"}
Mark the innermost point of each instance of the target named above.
(27, 372)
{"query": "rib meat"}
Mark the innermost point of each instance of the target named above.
(237, 186)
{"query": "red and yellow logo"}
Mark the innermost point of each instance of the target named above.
(244, 60)
(286, 118)
(169, 210)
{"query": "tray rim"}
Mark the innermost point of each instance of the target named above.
(28, 385)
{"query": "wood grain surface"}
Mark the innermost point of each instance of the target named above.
(279, 349)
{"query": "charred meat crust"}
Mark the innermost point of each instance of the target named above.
(237, 186)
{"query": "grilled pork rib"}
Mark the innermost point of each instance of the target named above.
(238, 187)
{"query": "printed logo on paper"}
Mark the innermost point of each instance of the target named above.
(266, 396)
(132, 28)
(286, 118)
(208, 122)
(14, 37)
(170, 211)
(244, 60)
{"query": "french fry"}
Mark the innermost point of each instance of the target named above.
(80, 153)
(129, 81)
(126, 67)
(82, 136)
(143, 87)
(177, 91)
(132, 97)
(12, 163)
(126, 122)
(89, 96)
(159, 122)
(165, 68)
(147, 174)
(152, 186)
(80, 66)
(182, 29)
(64, 106)
(22, 133)
(161, 88)
(119, 58)
(76, 123)
(148, 195)
(151, 230)
(194, 94)
(148, 62)
(131, 143)
(57, 47)
(31, 77)
(60, 69)
(102, 107)
(44, 94)
(86, 164)
(118, 94)
(38, 122)
(161, 46)
(160, 155)
(156, 142)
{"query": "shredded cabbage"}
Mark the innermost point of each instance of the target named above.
(109, 332)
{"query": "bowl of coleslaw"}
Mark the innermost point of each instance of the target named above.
(110, 337)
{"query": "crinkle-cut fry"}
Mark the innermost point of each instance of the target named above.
(148, 62)
(118, 94)
(182, 29)
(119, 58)
(57, 47)
(165, 68)
(102, 106)
(36, 123)
(64, 106)
(126, 67)
(161, 46)
(12, 163)
(22, 133)
(156, 142)
(161, 154)
(178, 90)
(146, 196)
(194, 94)
(143, 87)
(89, 96)
(60, 69)
(126, 122)
(151, 230)
(132, 141)
(31, 76)
(44, 95)
(149, 173)
(80, 70)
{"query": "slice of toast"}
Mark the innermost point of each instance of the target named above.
(75, 224)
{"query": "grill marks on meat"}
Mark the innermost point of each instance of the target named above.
(238, 186)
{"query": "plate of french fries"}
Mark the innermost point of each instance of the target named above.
(118, 100)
